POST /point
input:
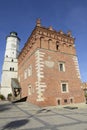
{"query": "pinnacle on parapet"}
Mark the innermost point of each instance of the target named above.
(50, 28)
(69, 33)
(38, 22)
(61, 32)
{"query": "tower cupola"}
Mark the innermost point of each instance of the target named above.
(12, 45)
(13, 33)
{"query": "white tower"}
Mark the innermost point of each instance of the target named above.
(10, 65)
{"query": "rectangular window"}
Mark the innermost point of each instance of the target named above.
(25, 74)
(62, 66)
(30, 70)
(64, 87)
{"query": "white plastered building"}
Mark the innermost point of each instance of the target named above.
(10, 64)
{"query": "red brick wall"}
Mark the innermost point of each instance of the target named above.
(44, 47)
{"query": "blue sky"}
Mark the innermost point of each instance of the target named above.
(21, 15)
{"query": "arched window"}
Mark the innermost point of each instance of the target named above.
(57, 45)
(49, 43)
(11, 68)
(41, 41)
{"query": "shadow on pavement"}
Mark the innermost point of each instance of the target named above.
(15, 124)
(5, 106)
(20, 100)
(70, 107)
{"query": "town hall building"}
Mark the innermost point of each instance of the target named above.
(48, 68)
(48, 71)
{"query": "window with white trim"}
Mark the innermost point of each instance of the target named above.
(62, 66)
(25, 74)
(30, 70)
(64, 87)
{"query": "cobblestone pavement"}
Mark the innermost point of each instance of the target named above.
(25, 116)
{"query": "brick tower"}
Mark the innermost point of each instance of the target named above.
(48, 68)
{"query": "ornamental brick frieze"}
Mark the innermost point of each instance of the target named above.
(43, 34)
(54, 35)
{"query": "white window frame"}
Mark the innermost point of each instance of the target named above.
(30, 70)
(63, 66)
(25, 74)
(66, 87)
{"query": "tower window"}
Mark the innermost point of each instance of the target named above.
(11, 68)
(12, 60)
(6, 55)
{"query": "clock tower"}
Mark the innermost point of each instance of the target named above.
(10, 64)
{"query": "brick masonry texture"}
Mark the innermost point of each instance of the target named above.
(45, 50)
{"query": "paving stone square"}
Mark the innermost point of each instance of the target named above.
(26, 116)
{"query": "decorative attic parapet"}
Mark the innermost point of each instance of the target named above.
(40, 31)
(55, 35)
